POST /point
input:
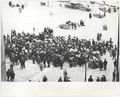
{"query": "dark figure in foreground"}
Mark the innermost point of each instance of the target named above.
(45, 79)
(98, 79)
(90, 79)
(10, 75)
(103, 78)
(60, 79)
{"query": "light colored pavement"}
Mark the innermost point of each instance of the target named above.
(77, 74)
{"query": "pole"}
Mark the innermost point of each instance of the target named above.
(85, 72)
(3, 65)
(86, 59)
(117, 77)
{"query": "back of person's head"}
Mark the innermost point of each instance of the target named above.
(90, 76)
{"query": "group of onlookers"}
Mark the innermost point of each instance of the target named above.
(47, 49)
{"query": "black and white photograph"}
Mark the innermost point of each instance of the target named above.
(59, 40)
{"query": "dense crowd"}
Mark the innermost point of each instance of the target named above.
(45, 48)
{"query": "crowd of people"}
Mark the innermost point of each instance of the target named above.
(45, 48)
(99, 79)
(10, 75)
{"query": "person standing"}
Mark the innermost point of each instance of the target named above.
(117, 76)
(12, 76)
(16, 58)
(90, 15)
(75, 27)
(114, 75)
(90, 79)
(98, 37)
(113, 53)
(101, 64)
(41, 66)
(22, 61)
(22, 6)
(8, 75)
(38, 59)
(33, 29)
(105, 64)
(115, 64)
(10, 3)
(33, 59)
(13, 58)
(72, 24)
